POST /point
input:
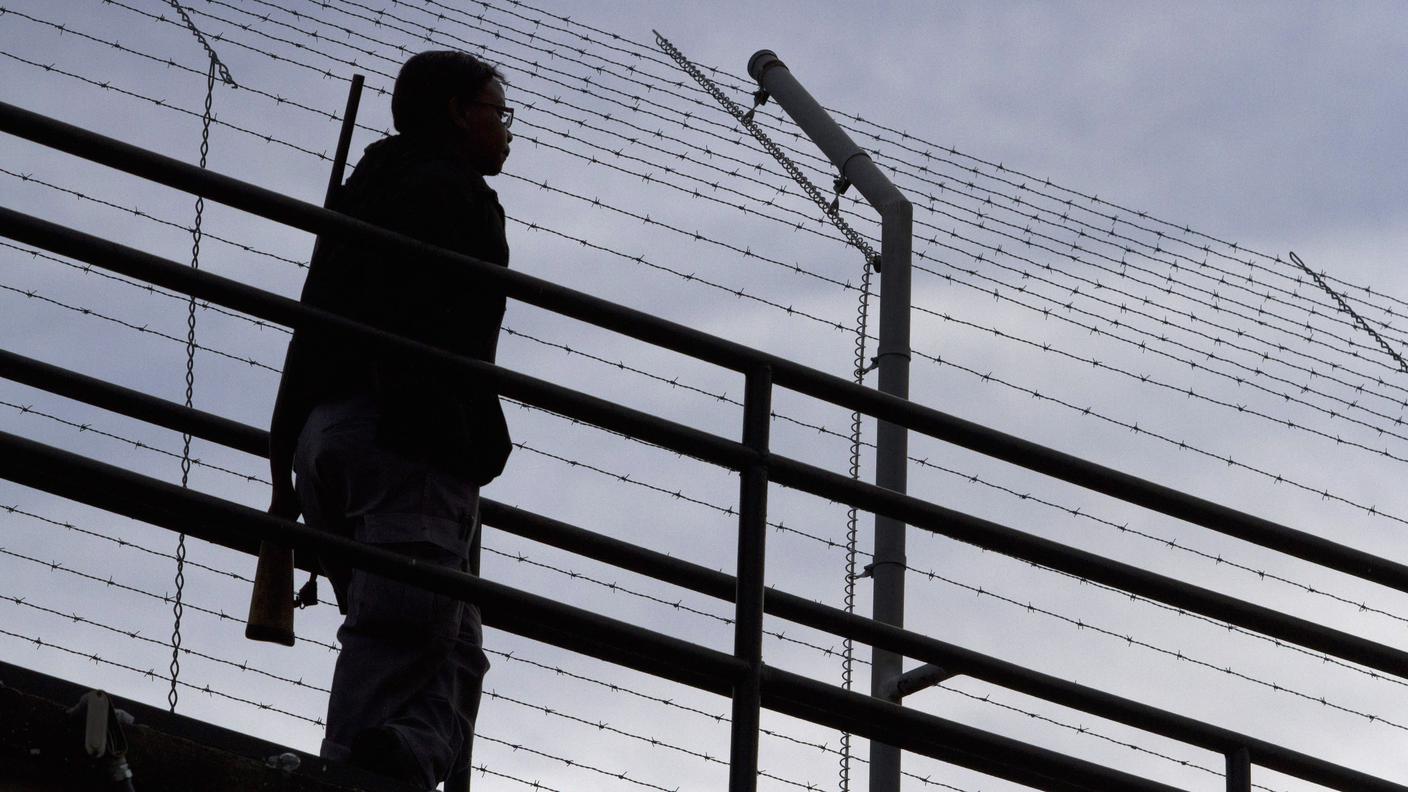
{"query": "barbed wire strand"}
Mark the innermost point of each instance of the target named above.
(244, 666)
(119, 541)
(1131, 641)
(150, 673)
(262, 135)
(972, 478)
(780, 526)
(89, 269)
(342, 28)
(1344, 306)
(933, 576)
(1370, 509)
(29, 409)
(34, 294)
(645, 54)
(1079, 623)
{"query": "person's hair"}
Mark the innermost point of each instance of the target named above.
(427, 82)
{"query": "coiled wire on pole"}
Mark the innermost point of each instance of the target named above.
(852, 518)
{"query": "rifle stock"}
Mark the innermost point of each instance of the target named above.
(271, 601)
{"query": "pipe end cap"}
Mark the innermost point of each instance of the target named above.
(761, 61)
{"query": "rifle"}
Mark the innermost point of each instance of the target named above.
(270, 603)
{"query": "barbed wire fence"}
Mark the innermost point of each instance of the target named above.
(627, 178)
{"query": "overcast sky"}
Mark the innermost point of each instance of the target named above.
(1275, 126)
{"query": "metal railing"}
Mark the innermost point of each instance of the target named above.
(743, 675)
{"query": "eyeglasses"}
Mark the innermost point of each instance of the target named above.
(505, 113)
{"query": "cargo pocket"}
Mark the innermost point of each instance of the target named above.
(386, 605)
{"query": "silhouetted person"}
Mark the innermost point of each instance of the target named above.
(388, 451)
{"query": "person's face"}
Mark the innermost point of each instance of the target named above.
(482, 136)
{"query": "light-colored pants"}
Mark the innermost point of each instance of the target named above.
(412, 660)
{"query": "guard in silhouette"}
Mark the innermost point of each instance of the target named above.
(390, 452)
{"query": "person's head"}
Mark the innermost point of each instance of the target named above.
(455, 99)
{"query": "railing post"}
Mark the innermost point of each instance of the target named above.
(1239, 770)
(748, 597)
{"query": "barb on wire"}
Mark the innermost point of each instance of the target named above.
(215, 62)
(676, 604)
(89, 269)
(111, 582)
(651, 740)
(34, 294)
(990, 256)
(1344, 306)
(119, 541)
(136, 635)
(971, 478)
(1177, 654)
(618, 775)
(1182, 445)
(40, 643)
(625, 478)
(107, 85)
(29, 409)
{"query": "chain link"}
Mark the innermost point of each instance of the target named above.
(746, 119)
(1344, 306)
(215, 62)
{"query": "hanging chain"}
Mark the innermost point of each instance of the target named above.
(872, 261)
(176, 607)
(831, 209)
(1344, 306)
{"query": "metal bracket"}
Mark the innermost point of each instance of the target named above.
(102, 734)
(915, 680)
(760, 98)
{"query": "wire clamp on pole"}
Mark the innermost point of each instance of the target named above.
(760, 98)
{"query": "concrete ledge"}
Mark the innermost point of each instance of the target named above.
(41, 749)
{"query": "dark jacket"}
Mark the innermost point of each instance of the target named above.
(422, 191)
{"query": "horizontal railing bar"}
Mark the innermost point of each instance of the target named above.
(165, 505)
(702, 445)
(1045, 552)
(720, 585)
(132, 403)
(291, 313)
(646, 327)
(781, 604)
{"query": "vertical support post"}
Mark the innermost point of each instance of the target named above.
(892, 442)
(1239, 770)
(748, 597)
(891, 472)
